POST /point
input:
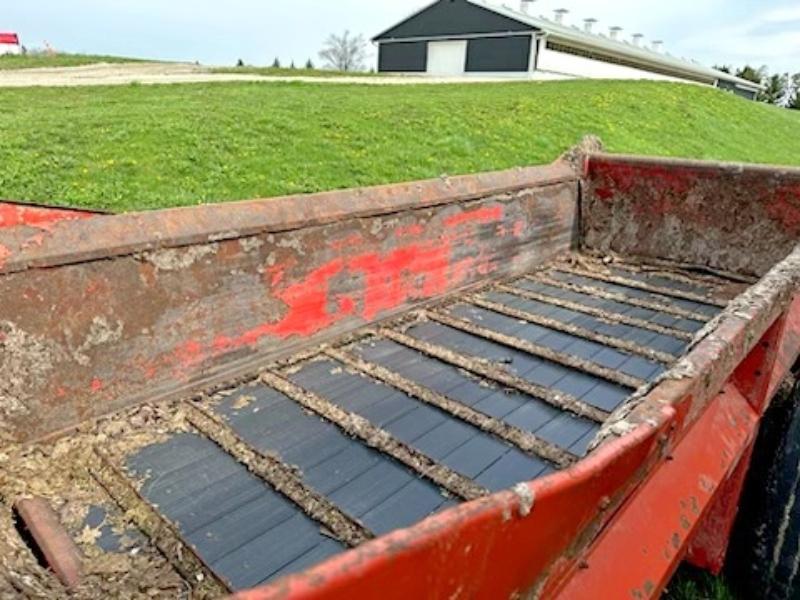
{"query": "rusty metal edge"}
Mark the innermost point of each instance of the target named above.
(59, 549)
(709, 165)
(44, 206)
(120, 235)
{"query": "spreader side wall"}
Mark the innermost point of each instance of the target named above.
(109, 312)
(14, 214)
(742, 219)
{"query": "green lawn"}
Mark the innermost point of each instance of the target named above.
(38, 60)
(143, 147)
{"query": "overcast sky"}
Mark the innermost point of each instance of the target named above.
(221, 31)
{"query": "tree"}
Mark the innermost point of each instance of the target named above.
(794, 100)
(240, 63)
(309, 64)
(751, 74)
(775, 89)
(344, 52)
(291, 66)
(723, 69)
(277, 63)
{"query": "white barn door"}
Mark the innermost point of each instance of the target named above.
(447, 58)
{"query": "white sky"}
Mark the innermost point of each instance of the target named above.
(215, 32)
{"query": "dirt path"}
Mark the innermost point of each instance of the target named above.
(160, 73)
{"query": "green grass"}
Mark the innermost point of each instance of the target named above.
(38, 60)
(296, 72)
(144, 147)
(693, 584)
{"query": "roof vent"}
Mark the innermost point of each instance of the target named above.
(657, 45)
(588, 24)
(637, 39)
(525, 5)
(613, 32)
(560, 14)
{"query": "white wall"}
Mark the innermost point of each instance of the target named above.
(569, 64)
(10, 49)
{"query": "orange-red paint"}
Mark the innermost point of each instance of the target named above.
(411, 271)
(12, 215)
(488, 214)
(404, 231)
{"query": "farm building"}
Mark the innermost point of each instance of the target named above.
(473, 37)
(9, 43)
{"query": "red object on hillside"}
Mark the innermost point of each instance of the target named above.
(9, 38)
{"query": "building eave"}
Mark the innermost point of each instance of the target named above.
(381, 36)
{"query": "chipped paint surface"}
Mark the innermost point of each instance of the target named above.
(175, 316)
(692, 212)
(526, 498)
(175, 259)
(14, 214)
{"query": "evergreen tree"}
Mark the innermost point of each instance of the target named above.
(309, 64)
(794, 100)
(291, 66)
(276, 64)
(750, 74)
(775, 90)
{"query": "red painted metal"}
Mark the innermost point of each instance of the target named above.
(709, 546)
(13, 214)
(186, 297)
(753, 379)
(643, 545)
(673, 208)
(9, 38)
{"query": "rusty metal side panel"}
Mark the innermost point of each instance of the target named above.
(14, 214)
(80, 339)
(736, 218)
(24, 247)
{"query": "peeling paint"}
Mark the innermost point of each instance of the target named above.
(251, 244)
(176, 259)
(526, 498)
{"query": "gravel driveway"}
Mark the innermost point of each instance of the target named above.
(155, 73)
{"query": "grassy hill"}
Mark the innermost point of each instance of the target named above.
(143, 147)
(38, 60)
